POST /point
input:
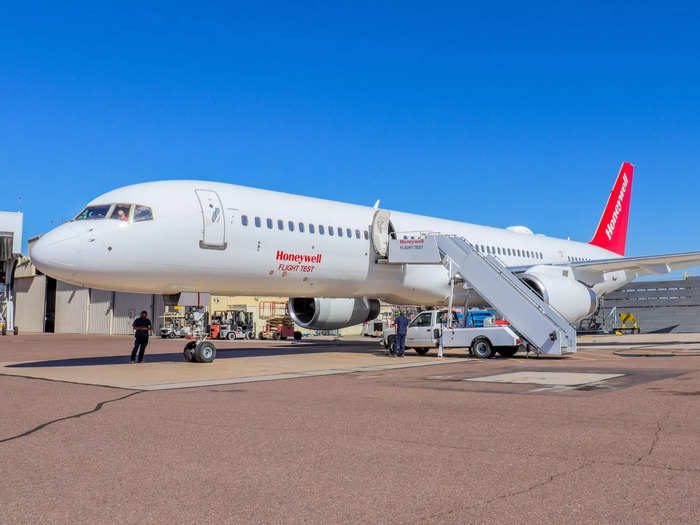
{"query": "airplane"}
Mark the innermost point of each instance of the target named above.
(186, 235)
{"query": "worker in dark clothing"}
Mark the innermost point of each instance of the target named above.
(142, 326)
(400, 326)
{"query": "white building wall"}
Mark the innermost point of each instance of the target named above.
(71, 308)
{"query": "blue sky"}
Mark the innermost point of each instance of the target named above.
(500, 114)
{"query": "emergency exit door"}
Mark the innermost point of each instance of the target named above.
(213, 220)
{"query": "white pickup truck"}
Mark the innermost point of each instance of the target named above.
(429, 326)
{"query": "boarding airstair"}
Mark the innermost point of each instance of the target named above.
(542, 326)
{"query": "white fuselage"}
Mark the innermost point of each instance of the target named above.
(189, 247)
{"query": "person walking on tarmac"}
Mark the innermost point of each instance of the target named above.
(400, 325)
(142, 326)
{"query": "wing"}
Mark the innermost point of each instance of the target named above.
(647, 265)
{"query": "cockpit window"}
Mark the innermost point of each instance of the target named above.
(94, 212)
(121, 212)
(142, 213)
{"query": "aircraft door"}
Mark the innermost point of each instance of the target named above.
(381, 229)
(213, 220)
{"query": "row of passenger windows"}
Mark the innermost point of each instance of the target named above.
(512, 252)
(579, 259)
(301, 227)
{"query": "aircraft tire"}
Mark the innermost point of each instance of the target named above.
(189, 351)
(297, 336)
(205, 352)
(481, 348)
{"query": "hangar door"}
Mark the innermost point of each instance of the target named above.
(30, 298)
(213, 221)
(71, 308)
(127, 307)
(100, 312)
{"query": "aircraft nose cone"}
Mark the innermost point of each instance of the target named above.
(57, 252)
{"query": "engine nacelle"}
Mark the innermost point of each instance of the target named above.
(331, 313)
(557, 287)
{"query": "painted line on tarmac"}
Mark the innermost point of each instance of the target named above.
(292, 375)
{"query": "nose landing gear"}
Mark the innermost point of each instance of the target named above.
(200, 352)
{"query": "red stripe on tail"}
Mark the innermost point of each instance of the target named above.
(611, 233)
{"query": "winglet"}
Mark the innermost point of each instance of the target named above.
(611, 233)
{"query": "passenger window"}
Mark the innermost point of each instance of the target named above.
(320, 229)
(258, 222)
(340, 232)
(357, 234)
(311, 228)
(348, 231)
(121, 212)
(330, 230)
(508, 251)
(244, 220)
(290, 225)
(366, 235)
(142, 213)
(301, 227)
(280, 224)
(269, 223)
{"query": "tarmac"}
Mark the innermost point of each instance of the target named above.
(329, 432)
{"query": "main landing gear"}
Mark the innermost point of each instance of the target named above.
(200, 352)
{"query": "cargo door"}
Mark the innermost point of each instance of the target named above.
(213, 220)
(381, 229)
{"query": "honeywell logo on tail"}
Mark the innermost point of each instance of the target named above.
(298, 257)
(611, 233)
(610, 228)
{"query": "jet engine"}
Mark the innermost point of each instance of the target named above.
(331, 313)
(557, 287)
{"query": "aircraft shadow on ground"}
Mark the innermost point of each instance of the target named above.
(221, 353)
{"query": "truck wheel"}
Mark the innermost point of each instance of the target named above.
(189, 351)
(297, 336)
(389, 342)
(231, 336)
(507, 351)
(205, 352)
(422, 351)
(261, 336)
(481, 348)
(276, 336)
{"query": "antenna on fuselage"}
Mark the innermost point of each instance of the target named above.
(376, 204)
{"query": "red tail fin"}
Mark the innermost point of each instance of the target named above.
(612, 228)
